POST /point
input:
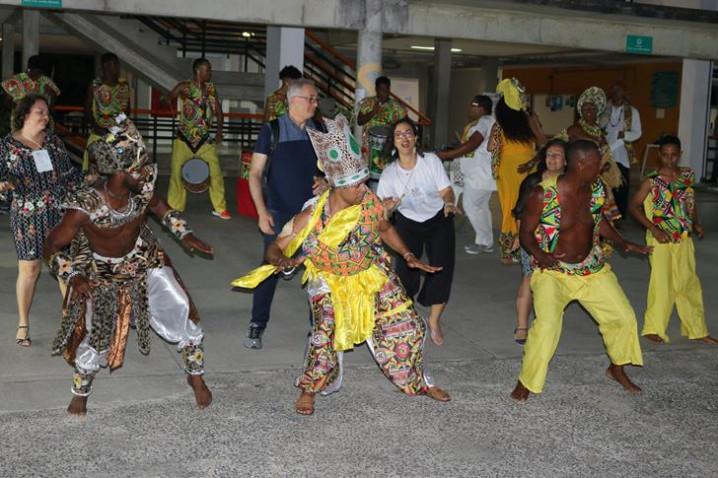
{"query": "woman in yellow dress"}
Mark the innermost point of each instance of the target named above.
(514, 139)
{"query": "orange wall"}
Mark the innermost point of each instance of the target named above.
(637, 77)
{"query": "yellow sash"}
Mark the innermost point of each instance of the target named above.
(353, 297)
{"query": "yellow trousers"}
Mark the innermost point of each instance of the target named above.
(177, 194)
(602, 296)
(86, 157)
(674, 281)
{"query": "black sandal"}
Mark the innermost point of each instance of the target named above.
(25, 342)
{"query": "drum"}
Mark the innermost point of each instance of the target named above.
(195, 175)
(377, 137)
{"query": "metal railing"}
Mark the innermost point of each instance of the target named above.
(156, 126)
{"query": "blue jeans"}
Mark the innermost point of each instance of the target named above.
(264, 292)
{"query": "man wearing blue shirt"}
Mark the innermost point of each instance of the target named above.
(282, 177)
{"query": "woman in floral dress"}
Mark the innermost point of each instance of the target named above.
(34, 165)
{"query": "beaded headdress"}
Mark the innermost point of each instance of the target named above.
(339, 153)
(121, 148)
(593, 95)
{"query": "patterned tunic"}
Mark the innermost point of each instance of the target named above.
(670, 205)
(548, 231)
(37, 198)
(109, 101)
(390, 112)
(276, 105)
(196, 112)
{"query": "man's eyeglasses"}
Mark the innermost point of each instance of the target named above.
(309, 99)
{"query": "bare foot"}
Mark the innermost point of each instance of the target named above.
(202, 395)
(520, 393)
(654, 338)
(304, 404)
(708, 340)
(437, 335)
(616, 373)
(78, 406)
(438, 394)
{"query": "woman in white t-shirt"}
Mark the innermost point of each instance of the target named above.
(417, 189)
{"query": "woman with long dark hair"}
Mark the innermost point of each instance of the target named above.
(513, 141)
(417, 188)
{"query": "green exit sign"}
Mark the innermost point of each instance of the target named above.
(42, 3)
(639, 44)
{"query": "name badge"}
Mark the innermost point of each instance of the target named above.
(43, 163)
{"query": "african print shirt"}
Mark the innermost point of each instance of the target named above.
(276, 105)
(391, 111)
(109, 101)
(548, 231)
(672, 204)
(21, 85)
(196, 111)
(360, 249)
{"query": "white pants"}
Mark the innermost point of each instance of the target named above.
(169, 318)
(476, 207)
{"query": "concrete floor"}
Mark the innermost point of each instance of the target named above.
(142, 421)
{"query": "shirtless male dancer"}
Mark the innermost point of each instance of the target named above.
(117, 271)
(561, 228)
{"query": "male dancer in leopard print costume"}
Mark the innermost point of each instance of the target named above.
(118, 272)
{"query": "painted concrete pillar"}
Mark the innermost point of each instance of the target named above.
(285, 46)
(442, 92)
(693, 117)
(30, 35)
(369, 53)
(8, 50)
(490, 73)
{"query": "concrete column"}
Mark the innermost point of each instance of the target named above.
(693, 117)
(30, 35)
(442, 92)
(369, 45)
(490, 73)
(8, 50)
(285, 46)
(143, 94)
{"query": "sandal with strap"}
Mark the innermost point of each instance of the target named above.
(26, 341)
(438, 394)
(520, 341)
(304, 404)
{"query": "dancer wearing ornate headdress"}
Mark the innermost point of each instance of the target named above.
(112, 288)
(355, 297)
(591, 105)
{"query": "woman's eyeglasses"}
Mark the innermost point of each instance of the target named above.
(404, 134)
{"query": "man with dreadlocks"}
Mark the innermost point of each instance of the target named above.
(118, 272)
(354, 295)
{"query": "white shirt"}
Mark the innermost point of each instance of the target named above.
(418, 188)
(476, 167)
(617, 123)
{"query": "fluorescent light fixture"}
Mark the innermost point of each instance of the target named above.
(247, 34)
(431, 48)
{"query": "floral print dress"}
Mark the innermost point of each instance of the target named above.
(38, 196)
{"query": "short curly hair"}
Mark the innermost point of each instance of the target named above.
(22, 109)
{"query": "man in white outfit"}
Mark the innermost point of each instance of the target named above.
(475, 165)
(622, 123)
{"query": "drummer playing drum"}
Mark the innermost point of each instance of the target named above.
(198, 104)
(377, 114)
